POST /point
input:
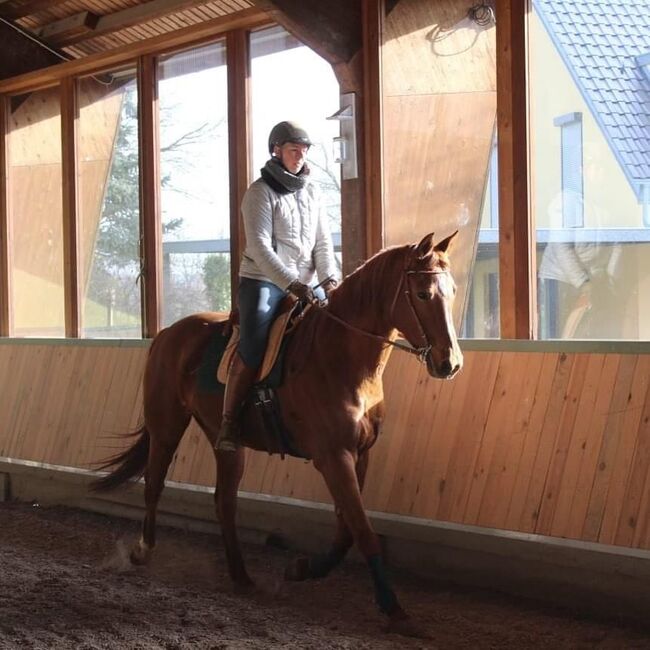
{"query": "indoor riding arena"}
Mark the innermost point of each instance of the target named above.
(484, 171)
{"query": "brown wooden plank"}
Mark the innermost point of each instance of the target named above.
(460, 469)
(517, 278)
(556, 464)
(592, 447)
(638, 394)
(508, 450)
(507, 387)
(372, 17)
(632, 518)
(583, 446)
(193, 35)
(69, 29)
(150, 219)
(532, 437)
(69, 173)
(239, 141)
(453, 399)
(14, 9)
(6, 317)
(611, 439)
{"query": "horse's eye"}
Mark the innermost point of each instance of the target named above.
(424, 295)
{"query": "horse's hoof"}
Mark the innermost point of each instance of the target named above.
(405, 626)
(140, 553)
(298, 570)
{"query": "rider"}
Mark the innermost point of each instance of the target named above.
(287, 239)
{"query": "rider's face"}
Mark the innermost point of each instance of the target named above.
(292, 155)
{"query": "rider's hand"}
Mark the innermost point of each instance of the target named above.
(301, 290)
(328, 286)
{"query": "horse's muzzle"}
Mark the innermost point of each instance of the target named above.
(447, 367)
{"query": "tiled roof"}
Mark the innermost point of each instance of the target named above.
(599, 41)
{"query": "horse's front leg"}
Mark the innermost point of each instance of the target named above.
(338, 469)
(230, 469)
(319, 566)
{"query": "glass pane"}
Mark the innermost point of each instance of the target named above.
(109, 207)
(590, 158)
(195, 192)
(34, 184)
(308, 94)
(439, 83)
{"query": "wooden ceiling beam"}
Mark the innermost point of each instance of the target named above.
(69, 28)
(118, 20)
(15, 9)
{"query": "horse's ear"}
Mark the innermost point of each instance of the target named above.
(425, 248)
(443, 246)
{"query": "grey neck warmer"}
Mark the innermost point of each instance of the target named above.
(281, 180)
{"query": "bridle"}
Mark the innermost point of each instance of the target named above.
(420, 352)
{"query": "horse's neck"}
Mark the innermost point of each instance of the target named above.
(364, 301)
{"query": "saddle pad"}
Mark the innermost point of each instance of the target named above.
(272, 348)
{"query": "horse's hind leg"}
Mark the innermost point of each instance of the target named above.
(164, 439)
(319, 566)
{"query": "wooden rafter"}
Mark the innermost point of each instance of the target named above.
(62, 36)
(5, 228)
(15, 9)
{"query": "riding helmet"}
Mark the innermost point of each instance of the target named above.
(284, 132)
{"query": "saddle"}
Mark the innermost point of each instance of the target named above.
(291, 312)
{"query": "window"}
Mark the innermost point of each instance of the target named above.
(291, 82)
(195, 192)
(109, 205)
(35, 199)
(587, 174)
(571, 150)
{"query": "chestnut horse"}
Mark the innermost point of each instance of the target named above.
(331, 400)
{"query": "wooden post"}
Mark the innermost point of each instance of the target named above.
(150, 220)
(372, 29)
(237, 44)
(516, 246)
(71, 279)
(6, 315)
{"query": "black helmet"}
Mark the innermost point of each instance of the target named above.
(284, 132)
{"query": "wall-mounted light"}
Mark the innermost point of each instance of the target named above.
(345, 145)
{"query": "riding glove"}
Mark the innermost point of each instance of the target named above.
(301, 290)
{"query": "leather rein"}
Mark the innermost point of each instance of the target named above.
(421, 352)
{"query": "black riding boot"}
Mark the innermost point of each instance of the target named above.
(240, 380)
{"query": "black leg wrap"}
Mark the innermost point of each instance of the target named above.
(384, 595)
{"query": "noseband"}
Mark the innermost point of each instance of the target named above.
(421, 352)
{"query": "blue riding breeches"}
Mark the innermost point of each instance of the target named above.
(259, 302)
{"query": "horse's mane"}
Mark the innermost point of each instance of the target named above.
(365, 287)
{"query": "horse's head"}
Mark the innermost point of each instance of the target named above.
(425, 314)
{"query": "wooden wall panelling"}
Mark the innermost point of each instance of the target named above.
(506, 391)
(511, 435)
(531, 434)
(637, 471)
(71, 240)
(416, 432)
(462, 461)
(612, 436)
(5, 226)
(151, 226)
(591, 438)
(561, 444)
(517, 279)
(452, 398)
(575, 433)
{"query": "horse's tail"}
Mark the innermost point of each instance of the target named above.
(130, 463)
